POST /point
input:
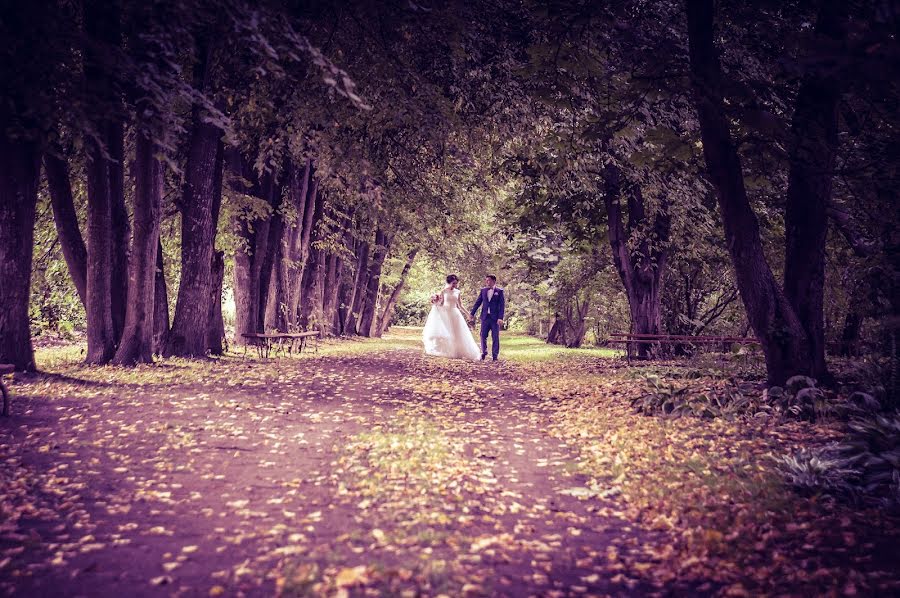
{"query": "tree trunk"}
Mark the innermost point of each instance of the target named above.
(784, 341)
(311, 291)
(359, 289)
(348, 280)
(216, 331)
(557, 334)
(160, 304)
(66, 218)
(101, 24)
(100, 330)
(311, 281)
(814, 144)
(270, 251)
(312, 216)
(120, 229)
(333, 272)
(250, 288)
(641, 271)
(302, 196)
(384, 319)
(367, 317)
(136, 345)
(189, 332)
(19, 181)
(580, 327)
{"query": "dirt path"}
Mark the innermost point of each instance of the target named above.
(376, 472)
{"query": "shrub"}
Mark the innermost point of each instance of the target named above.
(728, 401)
(865, 466)
(813, 471)
(873, 449)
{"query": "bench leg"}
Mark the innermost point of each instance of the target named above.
(5, 399)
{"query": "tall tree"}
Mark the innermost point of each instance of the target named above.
(384, 319)
(373, 283)
(160, 304)
(101, 23)
(641, 265)
(65, 216)
(189, 334)
(136, 345)
(19, 179)
(791, 342)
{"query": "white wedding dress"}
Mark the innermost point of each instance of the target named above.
(446, 333)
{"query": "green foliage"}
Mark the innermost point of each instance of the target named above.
(812, 471)
(865, 466)
(731, 398)
(728, 401)
(873, 449)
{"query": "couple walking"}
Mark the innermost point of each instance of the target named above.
(446, 333)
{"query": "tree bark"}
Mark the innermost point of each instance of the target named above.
(557, 333)
(189, 333)
(250, 288)
(579, 329)
(814, 144)
(784, 341)
(367, 317)
(311, 215)
(310, 291)
(160, 304)
(333, 272)
(301, 196)
(384, 319)
(102, 30)
(359, 289)
(136, 345)
(641, 272)
(19, 180)
(120, 229)
(66, 218)
(271, 252)
(100, 330)
(216, 330)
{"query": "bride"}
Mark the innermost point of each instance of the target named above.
(446, 333)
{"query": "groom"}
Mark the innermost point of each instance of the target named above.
(494, 303)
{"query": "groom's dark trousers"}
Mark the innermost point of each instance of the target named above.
(490, 326)
(492, 311)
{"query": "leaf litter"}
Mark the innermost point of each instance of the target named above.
(370, 470)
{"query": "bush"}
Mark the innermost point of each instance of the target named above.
(813, 471)
(873, 448)
(800, 398)
(728, 401)
(864, 467)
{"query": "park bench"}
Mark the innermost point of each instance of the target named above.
(5, 369)
(265, 343)
(725, 342)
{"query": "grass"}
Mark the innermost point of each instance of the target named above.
(514, 346)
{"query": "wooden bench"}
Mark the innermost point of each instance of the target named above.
(266, 342)
(678, 339)
(5, 369)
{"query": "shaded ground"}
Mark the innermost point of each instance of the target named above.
(370, 470)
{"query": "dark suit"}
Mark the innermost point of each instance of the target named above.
(491, 311)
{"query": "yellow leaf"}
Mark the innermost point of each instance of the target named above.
(351, 576)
